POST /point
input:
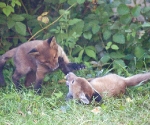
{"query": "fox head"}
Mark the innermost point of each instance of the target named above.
(80, 89)
(47, 53)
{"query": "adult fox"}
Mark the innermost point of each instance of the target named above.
(35, 59)
(85, 90)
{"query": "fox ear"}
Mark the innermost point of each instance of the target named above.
(52, 41)
(83, 98)
(34, 52)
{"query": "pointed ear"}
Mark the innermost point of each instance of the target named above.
(52, 41)
(83, 98)
(34, 52)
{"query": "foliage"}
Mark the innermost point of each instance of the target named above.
(89, 31)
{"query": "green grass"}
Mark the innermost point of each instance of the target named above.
(50, 108)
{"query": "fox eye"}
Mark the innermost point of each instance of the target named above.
(72, 81)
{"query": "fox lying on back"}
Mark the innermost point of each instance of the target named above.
(34, 60)
(109, 85)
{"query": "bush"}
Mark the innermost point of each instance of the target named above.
(111, 33)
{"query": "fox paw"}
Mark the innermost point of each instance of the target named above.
(69, 67)
(75, 66)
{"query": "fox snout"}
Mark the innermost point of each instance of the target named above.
(69, 97)
(54, 67)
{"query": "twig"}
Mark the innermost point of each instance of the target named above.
(51, 23)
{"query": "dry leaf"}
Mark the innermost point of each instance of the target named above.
(44, 14)
(129, 100)
(21, 113)
(45, 19)
(39, 18)
(96, 110)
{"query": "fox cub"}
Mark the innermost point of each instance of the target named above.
(85, 90)
(34, 60)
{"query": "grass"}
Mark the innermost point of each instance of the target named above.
(50, 108)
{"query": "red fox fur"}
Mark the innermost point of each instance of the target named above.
(35, 59)
(109, 85)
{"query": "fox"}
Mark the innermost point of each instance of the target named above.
(34, 60)
(85, 90)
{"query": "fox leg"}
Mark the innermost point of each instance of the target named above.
(2, 81)
(3, 58)
(18, 73)
(2, 63)
(30, 78)
(40, 74)
(16, 77)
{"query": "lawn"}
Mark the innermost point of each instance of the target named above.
(50, 108)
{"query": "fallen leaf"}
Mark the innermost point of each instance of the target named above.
(129, 99)
(96, 110)
(21, 113)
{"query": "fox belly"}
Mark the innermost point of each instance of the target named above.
(110, 85)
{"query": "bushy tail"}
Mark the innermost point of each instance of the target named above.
(136, 79)
(9, 54)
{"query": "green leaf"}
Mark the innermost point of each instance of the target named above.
(106, 34)
(145, 9)
(13, 4)
(80, 1)
(87, 35)
(136, 11)
(77, 28)
(76, 50)
(90, 53)
(146, 24)
(17, 18)
(81, 53)
(10, 24)
(116, 25)
(126, 18)
(123, 9)
(119, 65)
(61, 11)
(7, 10)
(62, 1)
(20, 28)
(91, 47)
(108, 45)
(119, 38)
(115, 4)
(105, 58)
(95, 29)
(18, 2)
(70, 2)
(2, 5)
(74, 21)
(10, 8)
(114, 47)
(117, 55)
(139, 52)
